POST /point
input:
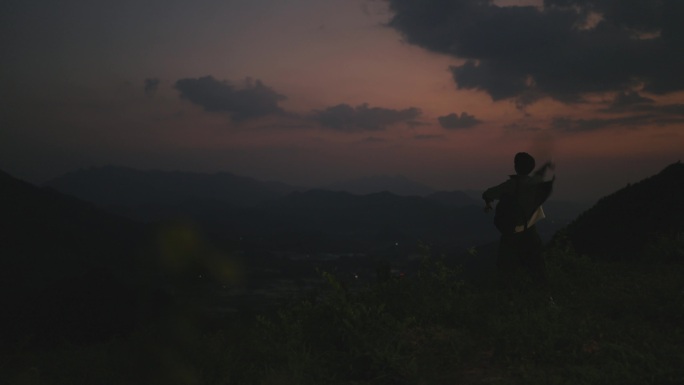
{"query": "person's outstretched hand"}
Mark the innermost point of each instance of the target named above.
(541, 171)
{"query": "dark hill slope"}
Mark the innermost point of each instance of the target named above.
(397, 185)
(620, 225)
(53, 234)
(334, 220)
(64, 265)
(121, 186)
(453, 198)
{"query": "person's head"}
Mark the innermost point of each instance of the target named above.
(524, 163)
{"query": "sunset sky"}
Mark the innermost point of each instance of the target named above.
(311, 92)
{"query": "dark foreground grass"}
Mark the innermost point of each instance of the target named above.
(609, 323)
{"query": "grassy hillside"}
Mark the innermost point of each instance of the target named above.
(611, 323)
(602, 321)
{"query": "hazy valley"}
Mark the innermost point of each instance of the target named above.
(102, 254)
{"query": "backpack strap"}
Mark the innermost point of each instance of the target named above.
(517, 202)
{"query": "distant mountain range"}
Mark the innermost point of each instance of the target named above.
(228, 204)
(453, 198)
(71, 267)
(233, 204)
(397, 184)
(122, 186)
(112, 185)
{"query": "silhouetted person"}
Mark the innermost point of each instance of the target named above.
(519, 208)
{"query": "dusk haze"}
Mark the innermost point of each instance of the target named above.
(342, 192)
(312, 92)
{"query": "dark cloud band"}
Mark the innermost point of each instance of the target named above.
(252, 99)
(344, 117)
(562, 50)
(455, 122)
(151, 85)
(586, 125)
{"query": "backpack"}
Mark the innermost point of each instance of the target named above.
(509, 214)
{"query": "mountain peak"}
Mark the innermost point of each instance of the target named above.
(396, 184)
(123, 186)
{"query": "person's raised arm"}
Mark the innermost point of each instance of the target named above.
(541, 172)
(492, 194)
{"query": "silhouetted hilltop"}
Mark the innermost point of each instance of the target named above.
(238, 208)
(41, 222)
(63, 264)
(283, 188)
(453, 198)
(316, 199)
(398, 185)
(339, 217)
(620, 225)
(122, 186)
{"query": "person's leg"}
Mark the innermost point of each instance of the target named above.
(507, 260)
(532, 257)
